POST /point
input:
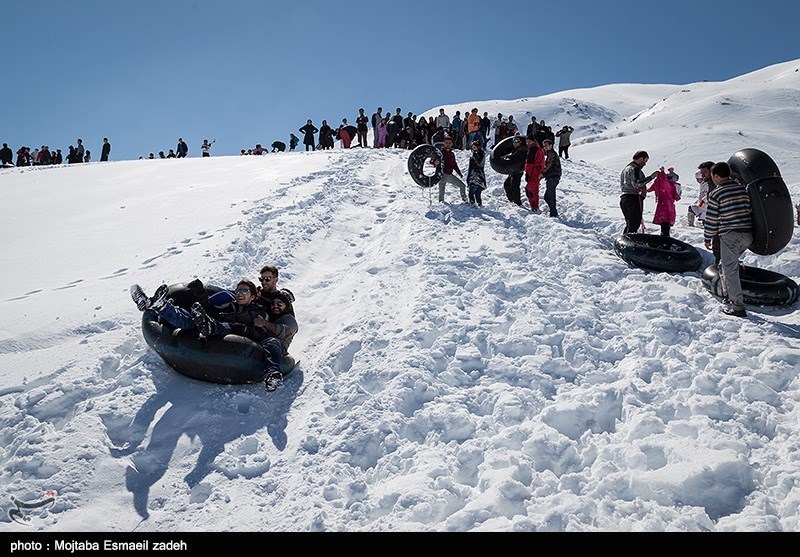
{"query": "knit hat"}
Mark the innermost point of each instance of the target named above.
(285, 297)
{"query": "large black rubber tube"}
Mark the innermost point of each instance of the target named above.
(417, 160)
(229, 359)
(658, 253)
(759, 286)
(771, 207)
(501, 162)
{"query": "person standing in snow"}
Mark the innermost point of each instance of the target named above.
(499, 129)
(476, 176)
(666, 195)
(6, 155)
(442, 121)
(105, 151)
(377, 116)
(343, 134)
(450, 165)
(80, 151)
(293, 141)
(361, 127)
(698, 210)
(633, 190)
(552, 175)
(308, 132)
(206, 147)
(381, 132)
(512, 183)
(325, 136)
(728, 218)
(563, 141)
(534, 164)
(183, 148)
(455, 128)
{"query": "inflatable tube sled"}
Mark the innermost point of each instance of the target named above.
(229, 359)
(499, 158)
(770, 203)
(417, 160)
(658, 253)
(759, 286)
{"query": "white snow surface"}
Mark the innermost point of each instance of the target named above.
(461, 368)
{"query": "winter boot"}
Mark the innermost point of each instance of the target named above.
(140, 298)
(201, 320)
(159, 298)
(273, 380)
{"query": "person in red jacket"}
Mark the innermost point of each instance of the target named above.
(534, 164)
(450, 170)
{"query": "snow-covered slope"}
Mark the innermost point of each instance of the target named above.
(462, 368)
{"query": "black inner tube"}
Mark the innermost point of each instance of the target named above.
(417, 160)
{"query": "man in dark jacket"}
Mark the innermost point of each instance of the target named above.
(182, 149)
(552, 175)
(513, 181)
(308, 132)
(361, 127)
(106, 150)
(377, 116)
(6, 155)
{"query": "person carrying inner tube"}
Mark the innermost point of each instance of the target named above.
(633, 190)
(512, 183)
(728, 218)
(450, 166)
(275, 333)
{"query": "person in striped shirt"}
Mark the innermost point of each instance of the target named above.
(728, 219)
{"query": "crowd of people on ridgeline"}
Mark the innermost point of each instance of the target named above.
(45, 156)
(411, 130)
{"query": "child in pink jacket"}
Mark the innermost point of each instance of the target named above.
(667, 193)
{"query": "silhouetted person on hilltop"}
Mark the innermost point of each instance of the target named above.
(182, 149)
(106, 150)
(361, 127)
(79, 151)
(6, 155)
(308, 132)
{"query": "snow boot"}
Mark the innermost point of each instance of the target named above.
(273, 380)
(159, 298)
(140, 298)
(202, 321)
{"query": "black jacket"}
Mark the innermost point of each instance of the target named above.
(308, 132)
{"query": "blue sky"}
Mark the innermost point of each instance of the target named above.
(147, 72)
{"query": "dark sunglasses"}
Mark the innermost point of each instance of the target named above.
(265, 279)
(277, 303)
(243, 291)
